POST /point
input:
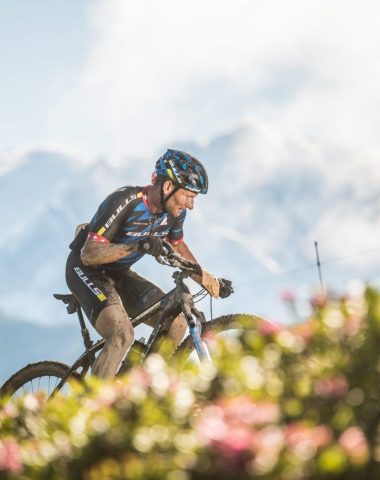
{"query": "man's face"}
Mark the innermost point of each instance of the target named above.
(180, 200)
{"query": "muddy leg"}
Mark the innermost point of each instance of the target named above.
(177, 330)
(114, 325)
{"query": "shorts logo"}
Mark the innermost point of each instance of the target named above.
(89, 284)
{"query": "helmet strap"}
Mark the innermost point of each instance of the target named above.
(165, 199)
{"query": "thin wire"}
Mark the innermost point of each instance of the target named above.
(203, 292)
(200, 299)
(319, 267)
(308, 267)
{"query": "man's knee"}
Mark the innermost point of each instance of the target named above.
(123, 335)
(114, 325)
(178, 329)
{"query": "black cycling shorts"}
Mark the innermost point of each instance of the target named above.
(95, 288)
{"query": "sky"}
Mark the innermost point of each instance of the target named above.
(124, 79)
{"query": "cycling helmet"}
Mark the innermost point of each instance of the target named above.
(183, 170)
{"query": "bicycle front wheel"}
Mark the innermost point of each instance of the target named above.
(227, 325)
(37, 377)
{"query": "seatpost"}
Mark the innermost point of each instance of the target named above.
(85, 333)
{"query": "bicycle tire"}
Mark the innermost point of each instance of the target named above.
(36, 371)
(225, 323)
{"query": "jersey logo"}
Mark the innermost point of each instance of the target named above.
(119, 209)
(146, 234)
(164, 221)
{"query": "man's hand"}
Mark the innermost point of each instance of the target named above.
(225, 288)
(217, 287)
(151, 245)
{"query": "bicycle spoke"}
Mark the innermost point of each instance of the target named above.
(57, 380)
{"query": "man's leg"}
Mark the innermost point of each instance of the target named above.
(114, 325)
(138, 293)
(102, 306)
(177, 330)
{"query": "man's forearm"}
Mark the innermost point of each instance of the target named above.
(184, 250)
(96, 253)
(206, 280)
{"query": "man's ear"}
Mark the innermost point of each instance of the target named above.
(167, 187)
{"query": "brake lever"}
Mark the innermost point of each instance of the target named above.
(169, 249)
(174, 259)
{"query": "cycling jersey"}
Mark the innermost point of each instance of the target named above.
(125, 217)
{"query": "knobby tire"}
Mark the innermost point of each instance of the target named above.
(35, 371)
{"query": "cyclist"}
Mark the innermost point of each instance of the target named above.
(131, 222)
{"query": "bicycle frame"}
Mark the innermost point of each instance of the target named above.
(179, 300)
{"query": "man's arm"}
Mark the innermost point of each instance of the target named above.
(96, 252)
(207, 280)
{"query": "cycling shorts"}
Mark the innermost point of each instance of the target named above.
(96, 288)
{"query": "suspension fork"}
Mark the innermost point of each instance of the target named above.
(195, 325)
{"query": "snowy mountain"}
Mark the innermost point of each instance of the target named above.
(270, 198)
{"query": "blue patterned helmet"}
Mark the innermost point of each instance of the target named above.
(183, 170)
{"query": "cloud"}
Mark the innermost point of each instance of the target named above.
(161, 70)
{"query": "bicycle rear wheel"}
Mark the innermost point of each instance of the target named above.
(36, 377)
(227, 324)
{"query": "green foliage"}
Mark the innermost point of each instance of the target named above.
(278, 404)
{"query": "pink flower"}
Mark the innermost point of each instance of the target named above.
(141, 377)
(319, 301)
(305, 330)
(243, 410)
(298, 432)
(211, 339)
(229, 428)
(10, 456)
(333, 387)
(355, 444)
(10, 410)
(266, 328)
(237, 440)
(288, 296)
(211, 425)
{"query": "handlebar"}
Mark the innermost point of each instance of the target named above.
(173, 259)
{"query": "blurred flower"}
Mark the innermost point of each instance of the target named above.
(10, 456)
(333, 387)
(305, 330)
(211, 339)
(243, 409)
(319, 300)
(230, 427)
(288, 296)
(237, 440)
(266, 328)
(10, 410)
(355, 445)
(31, 402)
(299, 432)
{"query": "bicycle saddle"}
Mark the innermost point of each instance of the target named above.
(69, 300)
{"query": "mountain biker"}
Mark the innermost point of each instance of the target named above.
(131, 222)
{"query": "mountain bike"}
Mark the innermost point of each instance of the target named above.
(52, 376)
